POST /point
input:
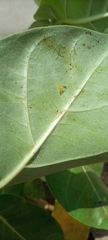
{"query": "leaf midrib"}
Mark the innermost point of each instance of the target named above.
(4, 221)
(93, 187)
(65, 109)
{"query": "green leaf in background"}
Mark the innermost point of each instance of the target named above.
(52, 130)
(82, 194)
(21, 219)
(83, 13)
(45, 16)
(37, 2)
(34, 189)
(97, 168)
(40, 23)
(15, 189)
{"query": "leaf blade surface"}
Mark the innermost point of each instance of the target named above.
(39, 123)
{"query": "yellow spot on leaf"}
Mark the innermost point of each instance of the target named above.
(61, 90)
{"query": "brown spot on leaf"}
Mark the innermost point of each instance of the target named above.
(89, 32)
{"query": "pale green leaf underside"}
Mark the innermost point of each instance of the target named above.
(69, 127)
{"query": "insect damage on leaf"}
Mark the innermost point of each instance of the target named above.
(60, 88)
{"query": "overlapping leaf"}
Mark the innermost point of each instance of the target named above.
(83, 13)
(82, 194)
(21, 219)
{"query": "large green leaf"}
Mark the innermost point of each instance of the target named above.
(83, 195)
(21, 219)
(39, 125)
(83, 13)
